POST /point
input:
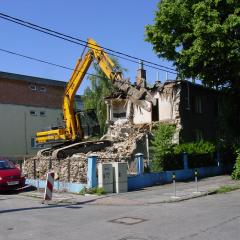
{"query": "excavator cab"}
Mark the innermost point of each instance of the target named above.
(89, 123)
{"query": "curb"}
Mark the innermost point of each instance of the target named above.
(94, 201)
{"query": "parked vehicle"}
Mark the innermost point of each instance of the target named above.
(11, 177)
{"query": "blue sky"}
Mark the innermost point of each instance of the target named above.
(117, 25)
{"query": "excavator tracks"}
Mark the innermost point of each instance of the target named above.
(62, 151)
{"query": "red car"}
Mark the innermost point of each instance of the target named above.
(11, 177)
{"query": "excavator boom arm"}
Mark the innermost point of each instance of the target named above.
(72, 130)
(70, 92)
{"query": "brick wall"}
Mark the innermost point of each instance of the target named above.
(32, 94)
(197, 119)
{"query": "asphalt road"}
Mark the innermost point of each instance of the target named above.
(211, 217)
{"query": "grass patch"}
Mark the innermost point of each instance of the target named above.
(227, 188)
(97, 191)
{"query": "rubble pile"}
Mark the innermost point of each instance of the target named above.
(124, 136)
(71, 169)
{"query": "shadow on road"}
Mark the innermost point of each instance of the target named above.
(26, 188)
(67, 205)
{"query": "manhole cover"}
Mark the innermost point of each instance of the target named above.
(128, 220)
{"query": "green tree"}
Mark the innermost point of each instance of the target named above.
(201, 37)
(100, 87)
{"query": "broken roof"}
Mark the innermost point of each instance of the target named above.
(116, 95)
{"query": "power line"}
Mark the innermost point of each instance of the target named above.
(44, 61)
(80, 41)
(47, 62)
(64, 38)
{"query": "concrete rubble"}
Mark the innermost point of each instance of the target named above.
(124, 136)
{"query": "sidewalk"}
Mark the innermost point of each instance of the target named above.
(150, 195)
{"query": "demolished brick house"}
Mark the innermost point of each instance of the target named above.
(193, 108)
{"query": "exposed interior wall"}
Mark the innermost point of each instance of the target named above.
(166, 110)
(169, 97)
(119, 110)
(164, 107)
(142, 116)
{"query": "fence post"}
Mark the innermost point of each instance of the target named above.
(140, 165)
(185, 160)
(91, 172)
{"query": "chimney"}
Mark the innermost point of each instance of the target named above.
(141, 75)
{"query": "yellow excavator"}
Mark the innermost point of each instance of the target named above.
(71, 134)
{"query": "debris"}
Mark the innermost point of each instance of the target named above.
(74, 169)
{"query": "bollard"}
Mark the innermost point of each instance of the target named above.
(91, 173)
(140, 164)
(49, 186)
(174, 184)
(196, 180)
(218, 159)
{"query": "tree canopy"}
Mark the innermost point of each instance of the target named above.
(201, 37)
(99, 88)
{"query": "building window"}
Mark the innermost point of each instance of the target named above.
(187, 103)
(119, 115)
(42, 114)
(33, 87)
(42, 89)
(33, 113)
(198, 135)
(198, 104)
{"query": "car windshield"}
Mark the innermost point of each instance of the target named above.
(5, 164)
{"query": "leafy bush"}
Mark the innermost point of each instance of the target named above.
(201, 147)
(168, 156)
(200, 154)
(161, 145)
(236, 168)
